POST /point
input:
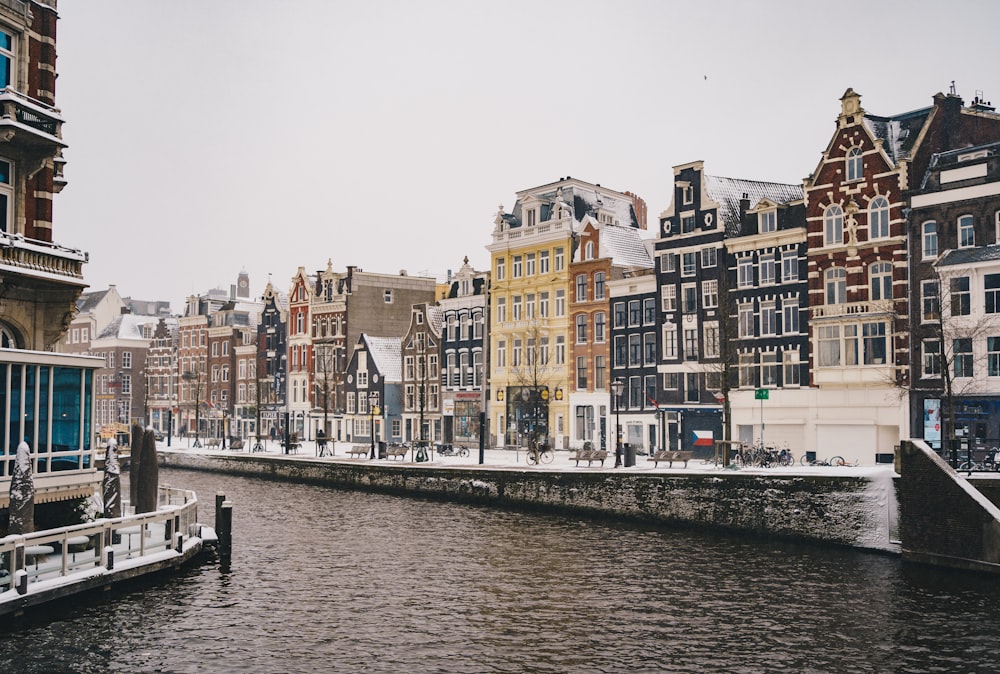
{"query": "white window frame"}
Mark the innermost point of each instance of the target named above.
(878, 218)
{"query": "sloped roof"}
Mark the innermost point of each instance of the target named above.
(898, 133)
(387, 353)
(963, 256)
(88, 301)
(434, 317)
(728, 192)
(625, 246)
(128, 326)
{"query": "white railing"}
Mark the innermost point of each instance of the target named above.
(81, 548)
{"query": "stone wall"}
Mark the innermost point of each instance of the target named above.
(944, 519)
(856, 510)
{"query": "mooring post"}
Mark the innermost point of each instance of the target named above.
(224, 526)
(220, 498)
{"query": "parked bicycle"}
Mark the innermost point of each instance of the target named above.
(544, 455)
(834, 461)
(990, 462)
(763, 456)
(449, 450)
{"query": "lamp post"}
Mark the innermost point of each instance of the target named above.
(372, 400)
(616, 388)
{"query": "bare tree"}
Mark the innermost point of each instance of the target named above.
(195, 379)
(325, 377)
(530, 368)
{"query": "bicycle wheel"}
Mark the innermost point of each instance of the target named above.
(967, 465)
(530, 457)
(838, 461)
(463, 452)
(547, 456)
(803, 461)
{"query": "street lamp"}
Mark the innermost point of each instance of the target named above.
(617, 386)
(372, 400)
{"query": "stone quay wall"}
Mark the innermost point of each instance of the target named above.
(857, 509)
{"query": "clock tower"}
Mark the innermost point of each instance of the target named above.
(243, 286)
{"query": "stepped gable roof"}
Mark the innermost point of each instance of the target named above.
(898, 133)
(729, 191)
(625, 246)
(963, 256)
(387, 353)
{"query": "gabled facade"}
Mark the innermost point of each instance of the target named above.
(192, 366)
(373, 387)
(421, 368)
(94, 312)
(300, 357)
(329, 345)
(272, 362)
(162, 376)
(464, 342)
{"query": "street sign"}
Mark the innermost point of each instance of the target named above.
(269, 415)
(760, 394)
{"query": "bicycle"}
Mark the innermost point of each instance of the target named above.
(449, 450)
(990, 462)
(834, 461)
(542, 455)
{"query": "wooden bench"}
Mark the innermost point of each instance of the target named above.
(359, 450)
(671, 456)
(394, 451)
(236, 444)
(590, 455)
(212, 442)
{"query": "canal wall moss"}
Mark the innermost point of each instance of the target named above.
(857, 510)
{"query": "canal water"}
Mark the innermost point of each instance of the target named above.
(326, 580)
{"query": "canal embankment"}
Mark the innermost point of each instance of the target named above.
(854, 507)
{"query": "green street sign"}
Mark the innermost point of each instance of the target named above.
(760, 394)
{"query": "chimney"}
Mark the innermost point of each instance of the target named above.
(744, 207)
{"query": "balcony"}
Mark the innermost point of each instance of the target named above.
(30, 124)
(40, 259)
(854, 309)
(543, 231)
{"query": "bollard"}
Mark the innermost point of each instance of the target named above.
(224, 529)
(220, 498)
(109, 560)
(21, 581)
(179, 542)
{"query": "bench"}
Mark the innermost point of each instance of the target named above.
(236, 444)
(359, 450)
(212, 442)
(671, 456)
(393, 452)
(590, 455)
(292, 445)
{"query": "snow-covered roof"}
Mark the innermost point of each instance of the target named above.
(128, 326)
(387, 353)
(625, 246)
(898, 133)
(434, 317)
(728, 192)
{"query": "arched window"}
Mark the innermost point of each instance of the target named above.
(835, 280)
(833, 225)
(930, 239)
(878, 218)
(589, 251)
(855, 170)
(8, 340)
(880, 275)
(966, 231)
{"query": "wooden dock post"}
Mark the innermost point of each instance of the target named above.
(224, 528)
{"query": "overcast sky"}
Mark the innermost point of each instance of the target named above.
(209, 137)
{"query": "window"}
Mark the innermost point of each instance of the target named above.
(991, 284)
(768, 318)
(690, 298)
(669, 298)
(993, 356)
(854, 166)
(690, 344)
(600, 372)
(711, 340)
(515, 307)
(789, 266)
(833, 226)
(6, 58)
(589, 251)
(963, 357)
(126, 384)
(836, 285)
(874, 341)
(710, 294)
(966, 232)
(581, 329)
(560, 259)
(516, 267)
(930, 240)
(501, 353)
(634, 312)
(709, 257)
(790, 316)
(529, 263)
(543, 262)
(745, 272)
(746, 320)
(748, 371)
(687, 224)
(581, 372)
(829, 345)
(649, 310)
(619, 314)
(649, 391)
(689, 264)
(687, 194)
(560, 303)
(931, 350)
(930, 301)
(961, 298)
(530, 218)
(768, 221)
(634, 350)
(880, 277)
(515, 353)
(669, 341)
(649, 348)
(581, 288)
(529, 312)
(878, 218)
(387, 296)
(127, 360)
(560, 350)
(6, 191)
(599, 286)
(767, 269)
(501, 309)
(668, 261)
(671, 381)
(769, 369)
(543, 305)
(621, 351)
(790, 360)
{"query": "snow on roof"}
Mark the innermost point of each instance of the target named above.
(625, 246)
(729, 191)
(899, 132)
(434, 317)
(387, 353)
(128, 326)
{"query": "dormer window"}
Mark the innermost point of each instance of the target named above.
(529, 218)
(768, 221)
(687, 194)
(855, 168)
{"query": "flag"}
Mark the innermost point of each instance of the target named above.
(703, 438)
(653, 402)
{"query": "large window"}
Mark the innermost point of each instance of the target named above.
(709, 257)
(993, 356)
(836, 285)
(599, 286)
(961, 297)
(748, 370)
(690, 298)
(581, 372)
(962, 357)
(543, 262)
(649, 348)
(767, 269)
(854, 166)
(669, 298)
(649, 311)
(529, 262)
(6, 59)
(875, 342)
(517, 267)
(930, 240)
(710, 294)
(833, 225)
(966, 232)
(669, 341)
(769, 369)
(600, 326)
(635, 350)
(829, 345)
(931, 352)
(790, 316)
(689, 264)
(581, 288)
(768, 318)
(789, 266)
(746, 320)
(878, 218)
(880, 276)
(620, 314)
(930, 301)
(768, 221)
(790, 361)
(745, 272)
(6, 194)
(991, 284)
(581, 328)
